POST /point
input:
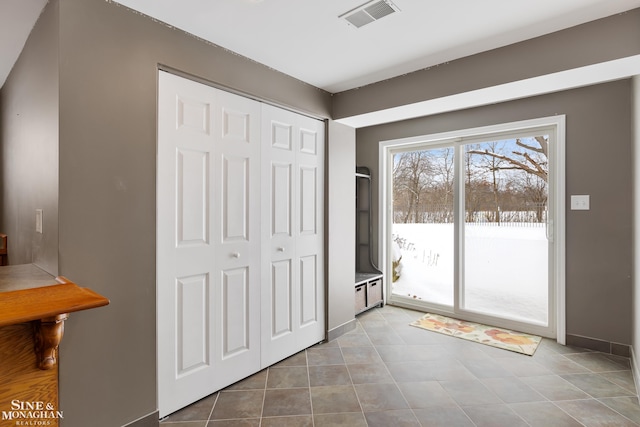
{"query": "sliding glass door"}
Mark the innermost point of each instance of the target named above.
(469, 228)
(423, 225)
(505, 246)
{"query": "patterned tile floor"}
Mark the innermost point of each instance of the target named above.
(387, 373)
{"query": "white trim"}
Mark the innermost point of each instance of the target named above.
(560, 230)
(554, 82)
(634, 369)
(385, 209)
(557, 299)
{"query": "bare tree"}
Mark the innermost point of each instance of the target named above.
(493, 165)
(533, 160)
(410, 179)
(472, 191)
(499, 176)
(536, 191)
(444, 169)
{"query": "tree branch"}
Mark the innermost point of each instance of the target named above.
(536, 170)
(544, 145)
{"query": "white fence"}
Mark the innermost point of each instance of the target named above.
(535, 217)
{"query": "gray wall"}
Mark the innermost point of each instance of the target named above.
(606, 39)
(29, 149)
(105, 69)
(341, 193)
(598, 153)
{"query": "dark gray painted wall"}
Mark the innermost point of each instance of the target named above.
(29, 148)
(606, 39)
(598, 162)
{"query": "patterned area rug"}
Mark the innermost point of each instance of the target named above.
(489, 335)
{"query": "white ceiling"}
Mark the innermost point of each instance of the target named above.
(17, 18)
(306, 39)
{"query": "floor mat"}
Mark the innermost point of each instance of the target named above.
(489, 335)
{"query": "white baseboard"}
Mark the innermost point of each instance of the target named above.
(634, 370)
(341, 330)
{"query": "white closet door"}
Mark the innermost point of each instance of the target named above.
(236, 213)
(292, 191)
(208, 240)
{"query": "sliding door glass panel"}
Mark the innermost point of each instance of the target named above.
(505, 245)
(423, 225)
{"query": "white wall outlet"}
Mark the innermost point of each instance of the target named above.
(38, 220)
(580, 202)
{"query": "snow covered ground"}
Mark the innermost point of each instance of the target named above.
(506, 267)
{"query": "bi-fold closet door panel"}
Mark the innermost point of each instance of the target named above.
(292, 230)
(221, 215)
(236, 218)
(208, 240)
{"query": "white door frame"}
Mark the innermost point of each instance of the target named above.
(556, 126)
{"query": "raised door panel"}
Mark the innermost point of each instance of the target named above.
(308, 201)
(192, 194)
(193, 113)
(309, 290)
(192, 324)
(281, 200)
(235, 297)
(235, 194)
(281, 310)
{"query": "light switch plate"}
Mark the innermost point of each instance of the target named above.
(580, 202)
(39, 221)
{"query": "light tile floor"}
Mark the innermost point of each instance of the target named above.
(389, 374)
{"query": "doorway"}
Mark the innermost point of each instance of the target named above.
(473, 225)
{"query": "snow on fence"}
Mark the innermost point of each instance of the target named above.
(536, 216)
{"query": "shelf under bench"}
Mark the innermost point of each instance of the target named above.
(368, 291)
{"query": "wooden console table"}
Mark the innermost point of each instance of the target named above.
(33, 308)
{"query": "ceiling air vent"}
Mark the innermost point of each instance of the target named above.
(369, 12)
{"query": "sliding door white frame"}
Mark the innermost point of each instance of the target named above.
(555, 127)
